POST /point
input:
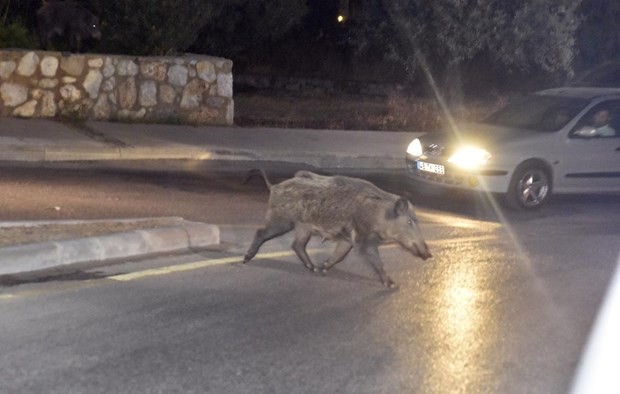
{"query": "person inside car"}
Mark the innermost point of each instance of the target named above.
(599, 125)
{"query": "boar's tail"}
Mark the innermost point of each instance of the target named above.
(257, 171)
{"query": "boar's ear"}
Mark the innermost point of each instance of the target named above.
(402, 206)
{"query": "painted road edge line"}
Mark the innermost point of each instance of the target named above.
(239, 259)
(192, 266)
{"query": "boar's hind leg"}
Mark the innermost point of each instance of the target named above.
(340, 252)
(371, 254)
(263, 235)
(302, 236)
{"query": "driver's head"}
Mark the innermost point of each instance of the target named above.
(601, 118)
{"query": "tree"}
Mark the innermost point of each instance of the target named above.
(441, 36)
(246, 28)
(538, 35)
(598, 39)
(215, 27)
(449, 33)
(22, 11)
(152, 27)
(16, 24)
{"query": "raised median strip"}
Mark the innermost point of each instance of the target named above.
(142, 242)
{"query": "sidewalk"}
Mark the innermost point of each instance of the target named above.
(40, 140)
(46, 140)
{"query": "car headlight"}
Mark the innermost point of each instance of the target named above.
(470, 157)
(415, 148)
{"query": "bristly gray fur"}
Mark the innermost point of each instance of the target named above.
(350, 211)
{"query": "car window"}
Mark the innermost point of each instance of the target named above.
(602, 121)
(538, 112)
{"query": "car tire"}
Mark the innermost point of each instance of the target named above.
(530, 187)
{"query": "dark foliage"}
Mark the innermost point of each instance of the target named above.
(496, 44)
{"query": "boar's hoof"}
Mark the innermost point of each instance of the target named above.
(389, 283)
(311, 268)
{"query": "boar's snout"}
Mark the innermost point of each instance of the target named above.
(421, 250)
(425, 252)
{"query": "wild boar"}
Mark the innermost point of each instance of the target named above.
(350, 211)
(66, 18)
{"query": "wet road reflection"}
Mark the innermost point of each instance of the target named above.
(497, 310)
(451, 310)
(462, 322)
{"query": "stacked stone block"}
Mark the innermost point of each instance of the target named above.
(190, 89)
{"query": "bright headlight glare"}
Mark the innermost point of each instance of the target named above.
(415, 148)
(470, 157)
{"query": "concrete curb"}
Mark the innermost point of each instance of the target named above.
(168, 220)
(46, 255)
(316, 159)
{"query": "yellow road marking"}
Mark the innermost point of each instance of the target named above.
(195, 265)
(239, 259)
(212, 262)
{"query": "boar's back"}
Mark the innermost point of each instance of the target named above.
(327, 202)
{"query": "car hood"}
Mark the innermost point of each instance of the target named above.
(482, 135)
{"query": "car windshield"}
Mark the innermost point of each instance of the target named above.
(538, 112)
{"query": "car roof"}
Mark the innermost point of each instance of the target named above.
(588, 93)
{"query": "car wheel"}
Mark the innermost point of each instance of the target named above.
(530, 187)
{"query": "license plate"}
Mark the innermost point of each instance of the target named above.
(430, 167)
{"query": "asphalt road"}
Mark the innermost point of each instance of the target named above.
(505, 305)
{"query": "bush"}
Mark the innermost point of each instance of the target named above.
(249, 29)
(15, 35)
(151, 27)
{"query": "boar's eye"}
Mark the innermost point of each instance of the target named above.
(410, 222)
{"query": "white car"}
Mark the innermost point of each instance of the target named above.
(564, 140)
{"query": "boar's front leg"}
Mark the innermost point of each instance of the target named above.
(75, 42)
(44, 40)
(343, 247)
(270, 231)
(303, 234)
(370, 252)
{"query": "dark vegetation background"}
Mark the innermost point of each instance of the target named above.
(431, 57)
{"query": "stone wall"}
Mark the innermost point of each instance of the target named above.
(190, 89)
